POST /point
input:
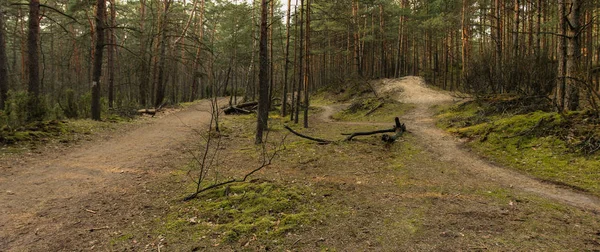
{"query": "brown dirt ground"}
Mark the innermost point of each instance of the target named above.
(53, 200)
(450, 149)
(424, 192)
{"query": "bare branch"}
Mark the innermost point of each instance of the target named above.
(321, 141)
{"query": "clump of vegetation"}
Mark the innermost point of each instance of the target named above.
(372, 109)
(346, 90)
(17, 129)
(525, 134)
(62, 131)
(35, 131)
(242, 212)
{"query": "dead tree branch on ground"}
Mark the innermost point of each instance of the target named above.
(267, 160)
(321, 141)
(399, 129)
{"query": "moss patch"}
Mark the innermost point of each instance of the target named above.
(34, 135)
(558, 148)
(241, 212)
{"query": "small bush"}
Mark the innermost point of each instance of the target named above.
(16, 108)
(69, 106)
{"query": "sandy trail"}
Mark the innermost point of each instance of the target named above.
(421, 123)
(55, 198)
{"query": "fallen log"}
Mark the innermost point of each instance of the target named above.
(399, 129)
(368, 133)
(247, 104)
(321, 141)
(151, 112)
(236, 111)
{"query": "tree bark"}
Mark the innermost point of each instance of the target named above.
(97, 67)
(33, 37)
(287, 61)
(263, 76)
(498, 40)
(3, 63)
(293, 102)
(573, 55)
(516, 10)
(383, 69)
(465, 39)
(300, 60)
(144, 60)
(197, 88)
(307, 71)
(160, 88)
(559, 95)
(111, 55)
(270, 24)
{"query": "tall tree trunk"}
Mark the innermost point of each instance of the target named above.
(34, 104)
(515, 32)
(308, 58)
(24, 52)
(250, 74)
(97, 67)
(398, 49)
(465, 39)
(160, 82)
(196, 68)
(287, 60)
(295, 68)
(498, 39)
(356, 30)
(573, 55)
(271, 24)
(3, 63)
(111, 55)
(300, 61)
(263, 75)
(383, 70)
(559, 95)
(538, 37)
(144, 60)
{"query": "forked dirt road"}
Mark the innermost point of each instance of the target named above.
(77, 198)
(448, 148)
(59, 200)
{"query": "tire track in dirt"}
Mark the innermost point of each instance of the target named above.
(49, 199)
(420, 122)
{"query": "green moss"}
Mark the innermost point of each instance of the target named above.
(543, 144)
(264, 210)
(120, 239)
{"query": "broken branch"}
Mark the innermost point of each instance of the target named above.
(321, 141)
(355, 134)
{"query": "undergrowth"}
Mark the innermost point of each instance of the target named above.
(524, 133)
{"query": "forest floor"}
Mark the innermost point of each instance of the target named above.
(123, 190)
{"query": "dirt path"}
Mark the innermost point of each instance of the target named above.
(60, 197)
(449, 149)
